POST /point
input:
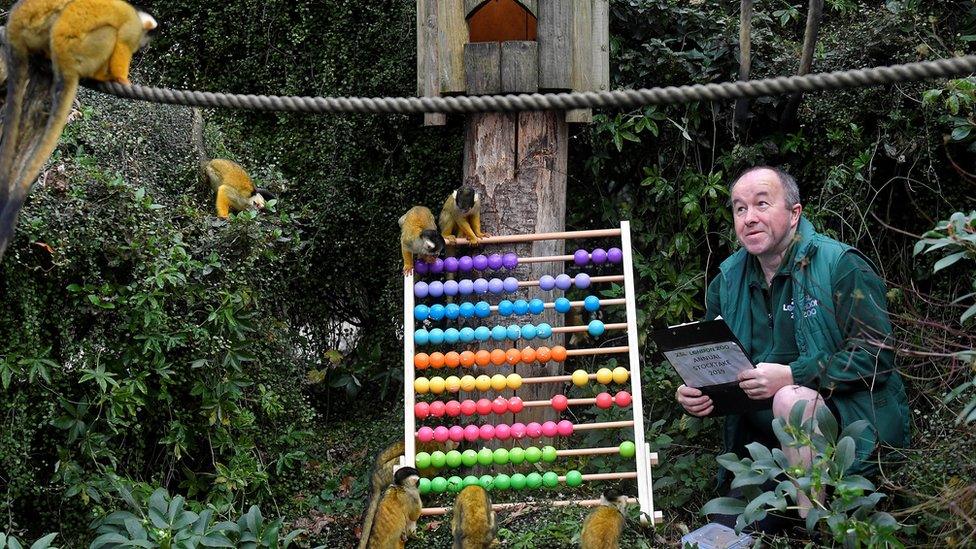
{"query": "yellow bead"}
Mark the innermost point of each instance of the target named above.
(604, 376)
(467, 383)
(437, 385)
(483, 383)
(514, 381)
(453, 384)
(580, 378)
(421, 385)
(620, 374)
(498, 382)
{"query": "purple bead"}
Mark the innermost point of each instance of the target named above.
(436, 288)
(581, 257)
(510, 260)
(480, 262)
(563, 282)
(420, 289)
(465, 263)
(480, 286)
(547, 282)
(615, 255)
(450, 264)
(451, 287)
(496, 286)
(511, 284)
(437, 266)
(495, 261)
(465, 286)
(421, 267)
(599, 256)
(582, 281)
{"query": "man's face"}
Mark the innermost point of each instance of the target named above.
(763, 222)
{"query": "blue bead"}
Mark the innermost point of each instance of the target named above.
(420, 289)
(563, 282)
(436, 311)
(513, 332)
(482, 309)
(465, 286)
(563, 305)
(510, 285)
(545, 331)
(521, 306)
(505, 307)
(596, 328)
(466, 334)
(499, 333)
(480, 286)
(496, 286)
(467, 309)
(435, 288)
(451, 287)
(582, 281)
(529, 331)
(547, 282)
(451, 335)
(591, 303)
(436, 336)
(420, 312)
(421, 337)
(536, 306)
(451, 311)
(482, 333)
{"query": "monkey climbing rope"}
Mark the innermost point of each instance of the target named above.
(634, 449)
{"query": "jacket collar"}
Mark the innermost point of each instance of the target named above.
(806, 243)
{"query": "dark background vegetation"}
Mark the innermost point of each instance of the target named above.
(257, 361)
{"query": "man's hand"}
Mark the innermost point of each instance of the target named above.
(693, 401)
(765, 379)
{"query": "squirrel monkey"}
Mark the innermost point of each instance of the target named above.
(473, 523)
(461, 216)
(235, 189)
(398, 511)
(83, 39)
(603, 526)
(418, 235)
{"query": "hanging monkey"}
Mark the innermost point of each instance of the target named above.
(398, 511)
(83, 39)
(419, 236)
(235, 190)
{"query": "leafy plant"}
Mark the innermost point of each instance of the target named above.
(10, 542)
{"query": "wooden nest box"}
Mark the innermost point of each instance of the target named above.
(487, 47)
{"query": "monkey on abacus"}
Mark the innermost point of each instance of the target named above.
(398, 511)
(418, 235)
(604, 525)
(461, 216)
(473, 524)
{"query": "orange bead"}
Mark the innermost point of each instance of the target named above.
(528, 355)
(559, 353)
(452, 359)
(421, 361)
(542, 354)
(482, 357)
(467, 359)
(498, 357)
(437, 360)
(513, 356)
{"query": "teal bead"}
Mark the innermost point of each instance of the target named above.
(424, 486)
(438, 485)
(550, 479)
(503, 481)
(454, 484)
(518, 481)
(469, 480)
(574, 478)
(487, 482)
(533, 480)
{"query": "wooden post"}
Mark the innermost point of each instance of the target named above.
(427, 58)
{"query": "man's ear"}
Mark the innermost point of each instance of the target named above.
(795, 213)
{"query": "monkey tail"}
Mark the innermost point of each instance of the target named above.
(13, 107)
(377, 485)
(197, 137)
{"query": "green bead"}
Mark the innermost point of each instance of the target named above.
(574, 478)
(424, 486)
(438, 485)
(533, 454)
(550, 479)
(485, 456)
(453, 459)
(469, 458)
(487, 482)
(454, 484)
(628, 449)
(501, 456)
(533, 480)
(516, 455)
(437, 459)
(469, 480)
(549, 454)
(502, 481)
(422, 459)
(518, 481)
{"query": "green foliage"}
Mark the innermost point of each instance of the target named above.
(11, 542)
(842, 503)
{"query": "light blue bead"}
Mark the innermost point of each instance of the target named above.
(421, 337)
(499, 333)
(545, 331)
(505, 307)
(536, 306)
(529, 331)
(591, 303)
(521, 306)
(562, 305)
(436, 336)
(465, 286)
(482, 333)
(466, 335)
(451, 335)
(596, 328)
(451, 311)
(513, 332)
(467, 309)
(436, 311)
(420, 312)
(482, 309)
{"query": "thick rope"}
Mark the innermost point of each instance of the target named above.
(942, 68)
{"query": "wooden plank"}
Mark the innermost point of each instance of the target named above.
(428, 81)
(482, 68)
(582, 44)
(555, 48)
(520, 66)
(600, 77)
(452, 35)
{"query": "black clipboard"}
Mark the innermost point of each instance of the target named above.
(707, 356)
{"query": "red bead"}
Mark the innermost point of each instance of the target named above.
(559, 403)
(623, 398)
(452, 408)
(515, 405)
(484, 407)
(421, 410)
(437, 408)
(468, 407)
(499, 405)
(604, 400)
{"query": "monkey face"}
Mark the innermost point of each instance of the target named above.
(466, 198)
(149, 24)
(257, 201)
(433, 242)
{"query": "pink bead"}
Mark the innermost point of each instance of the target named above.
(549, 429)
(515, 405)
(471, 433)
(518, 430)
(564, 428)
(437, 408)
(456, 433)
(425, 434)
(499, 405)
(421, 410)
(468, 407)
(604, 400)
(441, 433)
(623, 398)
(502, 432)
(484, 407)
(559, 403)
(487, 432)
(533, 430)
(453, 408)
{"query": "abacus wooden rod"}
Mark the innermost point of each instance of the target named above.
(602, 425)
(597, 351)
(552, 379)
(605, 476)
(545, 259)
(607, 278)
(570, 329)
(571, 402)
(605, 450)
(576, 304)
(515, 238)
(430, 511)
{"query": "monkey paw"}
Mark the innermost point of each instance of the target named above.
(407, 271)
(430, 259)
